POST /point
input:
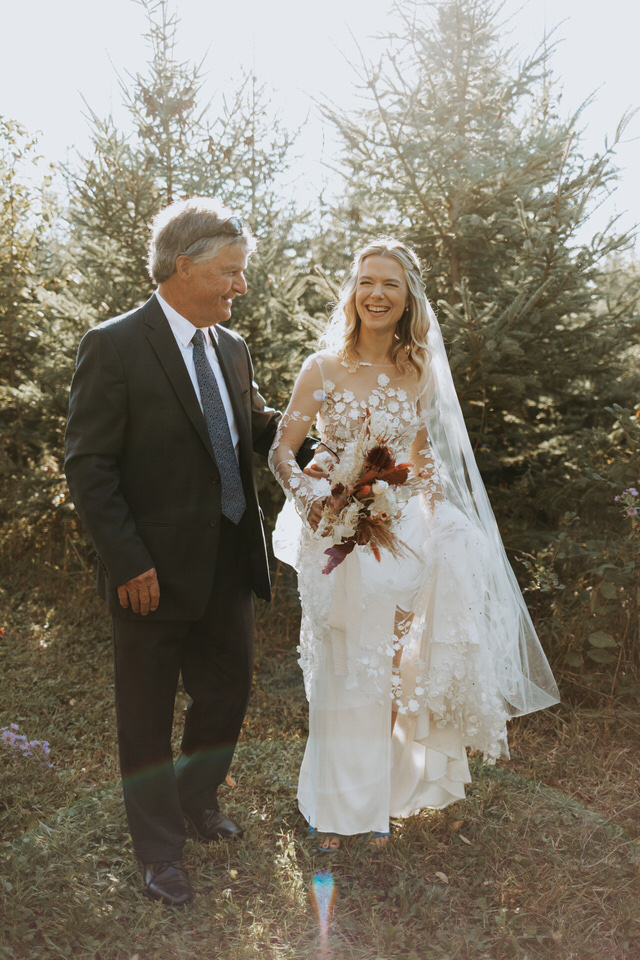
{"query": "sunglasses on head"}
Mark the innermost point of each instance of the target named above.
(232, 225)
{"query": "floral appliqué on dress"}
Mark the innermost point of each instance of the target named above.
(364, 612)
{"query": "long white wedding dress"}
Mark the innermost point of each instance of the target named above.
(466, 655)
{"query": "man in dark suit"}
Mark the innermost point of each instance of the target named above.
(164, 417)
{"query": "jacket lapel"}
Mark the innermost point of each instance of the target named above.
(162, 340)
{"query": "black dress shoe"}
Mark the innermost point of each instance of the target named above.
(168, 882)
(212, 825)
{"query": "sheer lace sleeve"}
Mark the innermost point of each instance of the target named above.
(308, 395)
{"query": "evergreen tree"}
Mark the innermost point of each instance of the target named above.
(122, 183)
(112, 198)
(38, 336)
(464, 153)
(174, 151)
(239, 153)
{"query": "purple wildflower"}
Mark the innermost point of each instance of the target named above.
(21, 746)
(632, 491)
(631, 511)
(617, 499)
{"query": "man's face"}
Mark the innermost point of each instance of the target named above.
(213, 284)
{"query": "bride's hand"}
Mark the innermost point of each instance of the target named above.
(315, 470)
(335, 501)
(321, 465)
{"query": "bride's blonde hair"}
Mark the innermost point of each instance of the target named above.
(410, 347)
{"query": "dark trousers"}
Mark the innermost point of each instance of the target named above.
(215, 657)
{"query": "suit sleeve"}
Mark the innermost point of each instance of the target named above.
(94, 439)
(264, 422)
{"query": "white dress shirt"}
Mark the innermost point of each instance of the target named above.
(183, 330)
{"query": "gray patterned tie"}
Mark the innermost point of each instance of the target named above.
(233, 501)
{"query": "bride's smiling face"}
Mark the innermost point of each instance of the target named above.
(381, 293)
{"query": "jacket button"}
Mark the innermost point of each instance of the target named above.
(215, 479)
(213, 523)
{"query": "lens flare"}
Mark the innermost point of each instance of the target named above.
(323, 893)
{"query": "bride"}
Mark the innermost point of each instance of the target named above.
(415, 640)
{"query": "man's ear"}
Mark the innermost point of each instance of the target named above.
(184, 265)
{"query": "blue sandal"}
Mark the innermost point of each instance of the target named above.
(328, 837)
(376, 835)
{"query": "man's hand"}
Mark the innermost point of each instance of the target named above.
(142, 593)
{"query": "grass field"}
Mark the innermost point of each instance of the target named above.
(540, 862)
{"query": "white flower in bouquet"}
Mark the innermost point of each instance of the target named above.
(367, 485)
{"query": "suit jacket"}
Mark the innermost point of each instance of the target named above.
(141, 468)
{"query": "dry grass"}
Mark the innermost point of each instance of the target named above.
(602, 774)
(540, 862)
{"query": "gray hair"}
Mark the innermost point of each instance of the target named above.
(185, 227)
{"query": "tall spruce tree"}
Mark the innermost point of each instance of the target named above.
(239, 152)
(463, 152)
(38, 335)
(117, 188)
